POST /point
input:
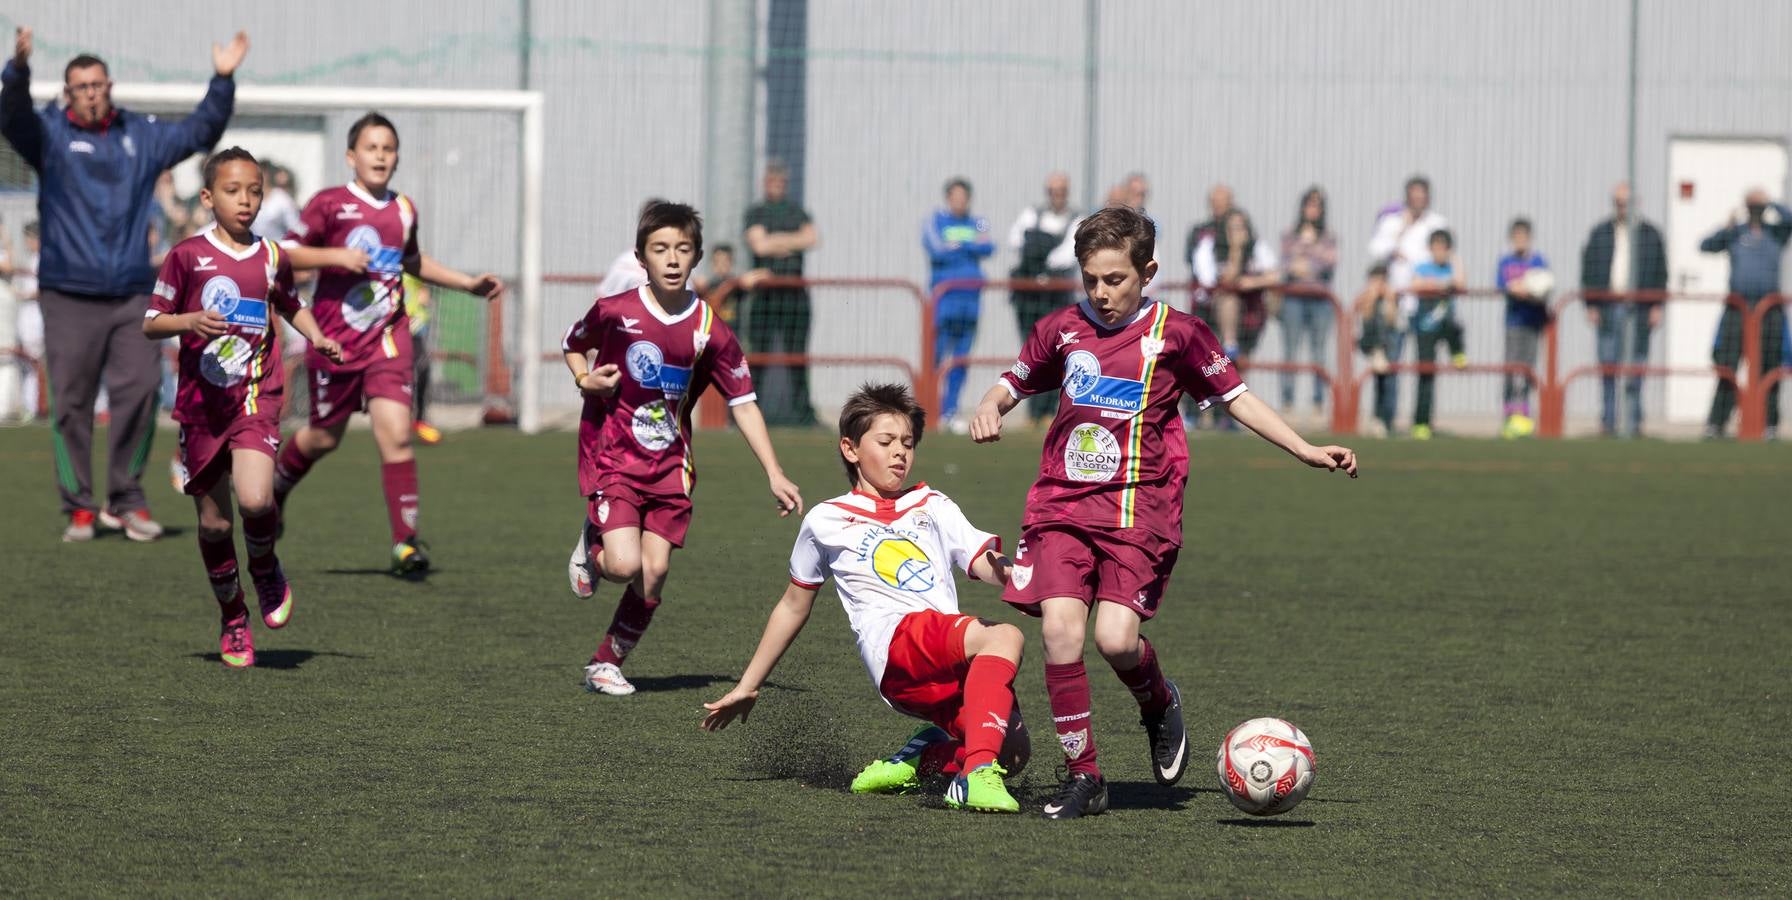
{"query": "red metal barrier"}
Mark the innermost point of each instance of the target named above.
(1752, 424)
(1553, 396)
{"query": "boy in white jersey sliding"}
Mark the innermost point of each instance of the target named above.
(363, 236)
(1103, 522)
(658, 348)
(890, 550)
(218, 291)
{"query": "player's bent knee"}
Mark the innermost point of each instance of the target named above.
(1117, 647)
(214, 531)
(254, 504)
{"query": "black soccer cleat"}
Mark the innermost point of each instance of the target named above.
(1169, 740)
(1081, 795)
(410, 558)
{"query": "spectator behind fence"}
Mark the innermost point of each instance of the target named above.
(1378, 312)
(778, 233)
(1436, 281)
(1309, 255)
(279, 209)
(1403, 238)
(626, 273)
(1755, 240)
(956, 243)
(97, 167)
(1237, 269)
(1527, 311)
(1610, 261)
(1043, 236)
(1219, 203)
(30, 324)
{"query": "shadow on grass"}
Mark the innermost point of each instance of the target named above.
(280, 659)
(415, 577)
(1149, 795)
(677, 682)
(1267, 823)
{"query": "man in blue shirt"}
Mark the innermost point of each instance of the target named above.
(97, 167)
(956, 243)
(1755, 245)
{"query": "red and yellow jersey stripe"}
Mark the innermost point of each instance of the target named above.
(1129, 494)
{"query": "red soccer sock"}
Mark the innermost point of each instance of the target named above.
(258, 541)
(289, 467)
(633, 614)
(1067, 686)
(400, 482)
(1146, 681)
(220, 568)
(983, 717)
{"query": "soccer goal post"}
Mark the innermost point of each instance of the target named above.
(521, 345)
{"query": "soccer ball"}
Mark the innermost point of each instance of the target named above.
(1266, 766)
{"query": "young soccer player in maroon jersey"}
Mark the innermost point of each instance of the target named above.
(658, 349)
(1103, 522)
(214, 292)
(363, 236)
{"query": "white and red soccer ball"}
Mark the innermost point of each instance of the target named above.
(1266, 766)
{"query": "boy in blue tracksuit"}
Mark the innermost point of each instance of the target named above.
(1526, 314)
(956, 243)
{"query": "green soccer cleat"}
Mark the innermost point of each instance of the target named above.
(982, 790)
(885, 777)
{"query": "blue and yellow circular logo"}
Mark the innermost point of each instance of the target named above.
(902, 565)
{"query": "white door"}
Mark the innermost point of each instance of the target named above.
(1707, 178)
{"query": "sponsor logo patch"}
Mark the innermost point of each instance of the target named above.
(1091, 453)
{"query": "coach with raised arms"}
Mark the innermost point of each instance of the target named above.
(97, 167)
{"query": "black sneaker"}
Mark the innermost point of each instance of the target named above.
(1082, 795)
(1169, 740)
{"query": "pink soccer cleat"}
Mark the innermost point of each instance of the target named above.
(236, 645)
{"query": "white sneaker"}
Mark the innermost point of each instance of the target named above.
(606, 678)
(80, 527)
(136, 524)
(578, 569)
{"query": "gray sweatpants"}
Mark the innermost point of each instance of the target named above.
(88, 341)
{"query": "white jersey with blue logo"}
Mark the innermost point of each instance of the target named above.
(888, 558)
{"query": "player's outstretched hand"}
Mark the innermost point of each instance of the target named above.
(227, 57)
(351, 259)
(489, 286)
(1330, 457)
(331, 350)
(736, 704)
(601, 381)
(790, 500)
(207, 323)
(21, 45)
(986, 425)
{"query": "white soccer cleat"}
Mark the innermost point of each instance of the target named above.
(606, 678)
(578, 570)
(136, 525)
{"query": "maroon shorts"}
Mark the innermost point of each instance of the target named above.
(1130, 568)
(204, 455)
(337, 395)
(620, 506)
(924, 675)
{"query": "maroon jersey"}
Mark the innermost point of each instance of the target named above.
(238, 373)
(364, 313)
(641, 436)
(1116, 456)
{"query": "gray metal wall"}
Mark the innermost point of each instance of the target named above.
(1511, 108)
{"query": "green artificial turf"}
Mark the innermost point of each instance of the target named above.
(1526, 668)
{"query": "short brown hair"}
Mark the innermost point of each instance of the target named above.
(1118, 228)
(863, 408)
(659, 214)
(229, 154)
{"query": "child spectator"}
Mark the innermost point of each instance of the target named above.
(1436, 283)
(1526, 313)
(1378, 309)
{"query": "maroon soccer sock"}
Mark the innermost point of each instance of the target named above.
(258, 541)
(1068, 687)
(983, 717)
(400, 482)
(1146, 681)
(633, 614)
(220, 568)
(289, 467)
